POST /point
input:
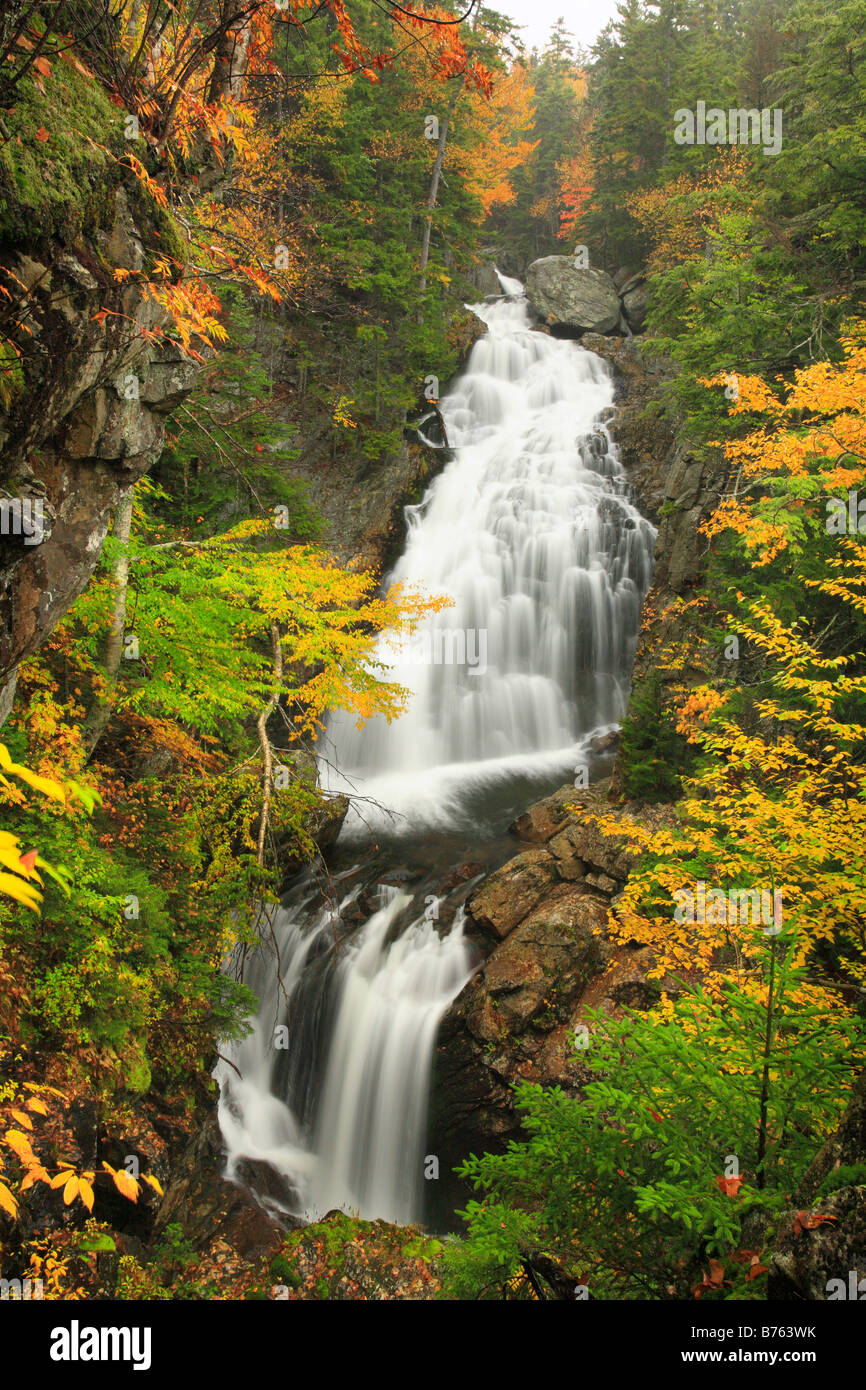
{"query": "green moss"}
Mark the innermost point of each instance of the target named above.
(164, 237)
(850, 1175)
(61, 185)
(284, 1272)
(422, 1247)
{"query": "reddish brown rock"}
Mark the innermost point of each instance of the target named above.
(510, 893)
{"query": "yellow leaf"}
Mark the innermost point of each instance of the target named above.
(10, 855)
(22, 1118)
(62, 1178)
(70, 1191)
(36, 1105)
(19, 1144)
(21, 891)
(154, 1183)
(46, 785)
(126, 1186)
(7, 1201)
(85, 1192)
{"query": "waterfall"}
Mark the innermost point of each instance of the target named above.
(530, 531)
(329, 1089)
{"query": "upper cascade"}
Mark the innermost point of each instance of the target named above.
(530, 532)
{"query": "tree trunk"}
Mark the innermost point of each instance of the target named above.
(230, 59)
(100, 711)
(431, 200)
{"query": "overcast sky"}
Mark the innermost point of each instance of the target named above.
(583, 18)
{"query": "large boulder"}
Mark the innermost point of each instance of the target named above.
(580, 301)
(485, 279)
(515, 1021)
(551, 961)
(209, 1208)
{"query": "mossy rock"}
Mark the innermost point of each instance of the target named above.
(343, 1257)
(62, 184)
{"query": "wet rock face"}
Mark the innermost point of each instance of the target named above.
(581, 301)
(88, 422)
(542, 920)
(207, 1206)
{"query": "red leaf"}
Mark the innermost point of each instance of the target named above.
(28, 861)
(730, 1186)
(806, 1221)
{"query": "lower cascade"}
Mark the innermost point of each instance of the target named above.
(331, 1085)
(530, 531)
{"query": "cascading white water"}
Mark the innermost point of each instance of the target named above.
(530, 531)
(330, 1087)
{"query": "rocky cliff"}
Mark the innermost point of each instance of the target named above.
(541, 920)
(89, 375)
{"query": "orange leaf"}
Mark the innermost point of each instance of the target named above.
(126, 1186)
(22, 1118)
(34, 1174)
(27, 862)
(7, 1201)
(42, 134)
(42, 65)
